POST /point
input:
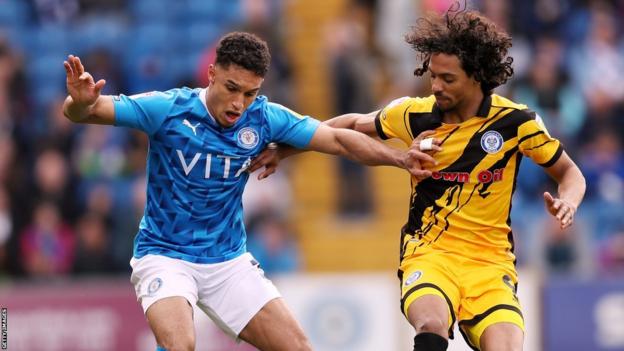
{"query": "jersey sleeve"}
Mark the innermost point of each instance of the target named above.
(145, 111)
(535, 142)
(289, 127)
(390, 122)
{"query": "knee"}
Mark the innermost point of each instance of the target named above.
(428, 324)
(178, 342)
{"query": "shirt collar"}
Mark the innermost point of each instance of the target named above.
(202, 98)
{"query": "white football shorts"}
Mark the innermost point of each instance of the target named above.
(230, 292)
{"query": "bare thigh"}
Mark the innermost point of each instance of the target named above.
(502, 337)
(429, 313)
(274, 328)
(171, 320)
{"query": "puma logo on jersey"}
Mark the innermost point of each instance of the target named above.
(193, 127)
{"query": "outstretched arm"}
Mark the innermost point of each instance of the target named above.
(363, 123)
(270, 157)
(363, 149)
(84, 104)
(356, 147)
(571, 190)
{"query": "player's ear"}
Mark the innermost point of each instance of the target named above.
(211, 74)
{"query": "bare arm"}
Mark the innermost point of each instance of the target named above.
(84, 104)
(571, 190)
(363, 123)
(355, 146)
(270, 158)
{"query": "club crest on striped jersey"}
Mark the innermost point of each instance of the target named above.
(413, 277)
(247, 138)
(492, 142)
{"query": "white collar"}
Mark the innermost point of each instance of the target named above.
(202, 98)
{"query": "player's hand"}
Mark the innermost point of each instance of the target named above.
(80, 84)
(562, 210)
(417, 158)
(269, 158)
(425, 143)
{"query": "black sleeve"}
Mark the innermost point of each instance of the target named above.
(380, 131)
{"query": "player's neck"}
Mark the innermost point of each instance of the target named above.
(206, 102)
(465, 110)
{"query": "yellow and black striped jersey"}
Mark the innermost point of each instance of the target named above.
(464, 207)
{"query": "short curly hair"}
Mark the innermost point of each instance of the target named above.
(480, 46)
(245, 50)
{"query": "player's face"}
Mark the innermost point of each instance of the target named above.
(230, 92)
(450, 84)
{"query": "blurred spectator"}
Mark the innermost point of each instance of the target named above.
(602, 163)
(59, 132)
(439, 6)
(55, 11)
(99, 153)
(611, 255)
(561, 252)
(273, 244)
(547, 90)
(393, 18)
(53, 181)
(270, 194)
(597, 69)
(127, 223)
(262, 18)
(102, 65)
(356, 71)
(14, 97)
(98, 7)
(6, 230)
(99, 201)
(93, 246)
(47, 244)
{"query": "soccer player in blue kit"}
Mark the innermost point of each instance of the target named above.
(190, 247)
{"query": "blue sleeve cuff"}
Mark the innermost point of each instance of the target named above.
(302, 137)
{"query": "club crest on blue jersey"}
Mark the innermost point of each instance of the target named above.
(492, 142)
(154, 286)
(247, 138)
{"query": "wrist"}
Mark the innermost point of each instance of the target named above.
(401, 160)
(75, 111)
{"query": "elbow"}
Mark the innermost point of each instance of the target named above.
(583, 183)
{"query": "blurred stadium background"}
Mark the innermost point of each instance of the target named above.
(326, 230)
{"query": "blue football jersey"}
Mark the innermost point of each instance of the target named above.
(196, 169)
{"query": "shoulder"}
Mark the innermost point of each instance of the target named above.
(519, 112)
(273, 108)
(184, 94)
(259, 104)
(500, 101)
(413, 104)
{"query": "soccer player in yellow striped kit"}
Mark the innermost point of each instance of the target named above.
(457, 251)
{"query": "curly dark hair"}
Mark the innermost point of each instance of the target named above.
(480, 46)
(245, 50)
